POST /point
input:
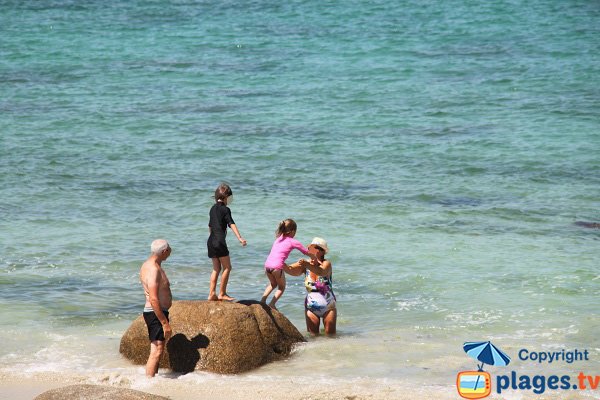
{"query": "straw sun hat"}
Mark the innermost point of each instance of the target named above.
(322, 243)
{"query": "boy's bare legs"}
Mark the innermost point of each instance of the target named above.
(214, 276)
(280, 280)
(272, 285)
(226, 263)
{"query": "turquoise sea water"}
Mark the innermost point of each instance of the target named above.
(445, 151)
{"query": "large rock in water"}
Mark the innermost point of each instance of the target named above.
(96, 392)
(216, 336)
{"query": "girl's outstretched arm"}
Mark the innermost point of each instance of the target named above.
(237, 234)
(296, 244)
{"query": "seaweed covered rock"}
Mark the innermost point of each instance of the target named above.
(96, 392)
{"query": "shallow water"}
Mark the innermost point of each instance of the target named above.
(444, 151)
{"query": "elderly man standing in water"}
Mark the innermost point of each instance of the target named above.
(158, 301)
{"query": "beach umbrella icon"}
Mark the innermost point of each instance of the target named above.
(487, 353)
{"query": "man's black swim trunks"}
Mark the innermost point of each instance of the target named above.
(155, 329)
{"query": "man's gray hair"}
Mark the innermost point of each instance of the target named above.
(158, 246)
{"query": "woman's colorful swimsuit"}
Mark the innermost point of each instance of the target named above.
(320, 298)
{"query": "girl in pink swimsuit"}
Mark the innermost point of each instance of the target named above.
(283, 246)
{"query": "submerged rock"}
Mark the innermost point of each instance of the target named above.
(96, 392)
(216, 336)
(586, 224)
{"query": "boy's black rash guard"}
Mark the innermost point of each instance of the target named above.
(220, 219)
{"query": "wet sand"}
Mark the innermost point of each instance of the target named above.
(16, 387)
(194, 387)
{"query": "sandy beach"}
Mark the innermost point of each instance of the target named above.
(16, 387)
(191, 387)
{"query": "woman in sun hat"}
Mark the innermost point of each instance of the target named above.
(319, 303)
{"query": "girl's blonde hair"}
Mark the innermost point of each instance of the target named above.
(286, 227)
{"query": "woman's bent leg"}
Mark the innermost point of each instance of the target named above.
(312, 322)
(330, 321)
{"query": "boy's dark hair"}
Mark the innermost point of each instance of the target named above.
(223, 192)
